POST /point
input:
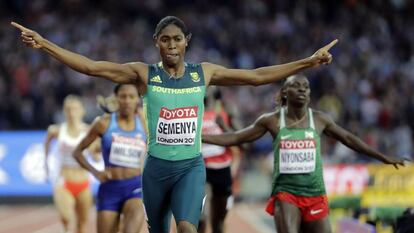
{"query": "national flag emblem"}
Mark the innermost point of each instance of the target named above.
(308, 134)
(195, 77)
(156, 79)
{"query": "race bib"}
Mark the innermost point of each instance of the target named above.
(127, 151)
(297, 156)
(177, 126)
(209, 150)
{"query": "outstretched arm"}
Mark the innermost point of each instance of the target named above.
(353, 142)
(219, 75)
(119, 73)
(247, 134)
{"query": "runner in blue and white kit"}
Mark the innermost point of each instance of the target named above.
(123, 148)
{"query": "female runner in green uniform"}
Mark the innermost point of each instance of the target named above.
(298, 202)
(173, 92)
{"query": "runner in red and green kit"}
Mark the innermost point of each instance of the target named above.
(173, 91)
(298, 201)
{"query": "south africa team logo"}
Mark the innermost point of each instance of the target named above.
(195, 77)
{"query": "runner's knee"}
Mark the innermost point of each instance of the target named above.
(186, 227)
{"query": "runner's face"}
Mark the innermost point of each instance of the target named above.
(298, 91)
(73, 111)
(128, 99)
(171, 43)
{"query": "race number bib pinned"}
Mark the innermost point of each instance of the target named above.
(209, 150)
(177, 126)
(297, 156)
(211, 127)
(127, 151)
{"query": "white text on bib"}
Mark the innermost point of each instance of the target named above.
(126, 151)
(297, 156)
(177, 126)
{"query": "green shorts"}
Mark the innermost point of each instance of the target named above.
(175, 187)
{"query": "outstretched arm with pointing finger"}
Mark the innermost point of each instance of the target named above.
(219, 75)
(120, 73)
(136, 72)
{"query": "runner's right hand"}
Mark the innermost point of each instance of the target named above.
(103, 176)
(29, 37)
(322, 56)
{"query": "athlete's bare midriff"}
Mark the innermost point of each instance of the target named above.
(74, 174)
(121, 173)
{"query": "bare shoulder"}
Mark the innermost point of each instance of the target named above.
(270, 122)
(210, 69)
(104, 119)
(53, 130)
(269, 118)
(101, 123)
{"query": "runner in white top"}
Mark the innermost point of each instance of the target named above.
(71, 194)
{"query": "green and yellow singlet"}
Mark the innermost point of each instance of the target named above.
(174, 110)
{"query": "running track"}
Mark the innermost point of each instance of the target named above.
(242, 218)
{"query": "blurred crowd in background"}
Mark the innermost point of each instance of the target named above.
(367, 89)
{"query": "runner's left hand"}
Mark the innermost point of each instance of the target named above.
(397, 162)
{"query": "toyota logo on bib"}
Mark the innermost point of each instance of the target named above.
(177, 126)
